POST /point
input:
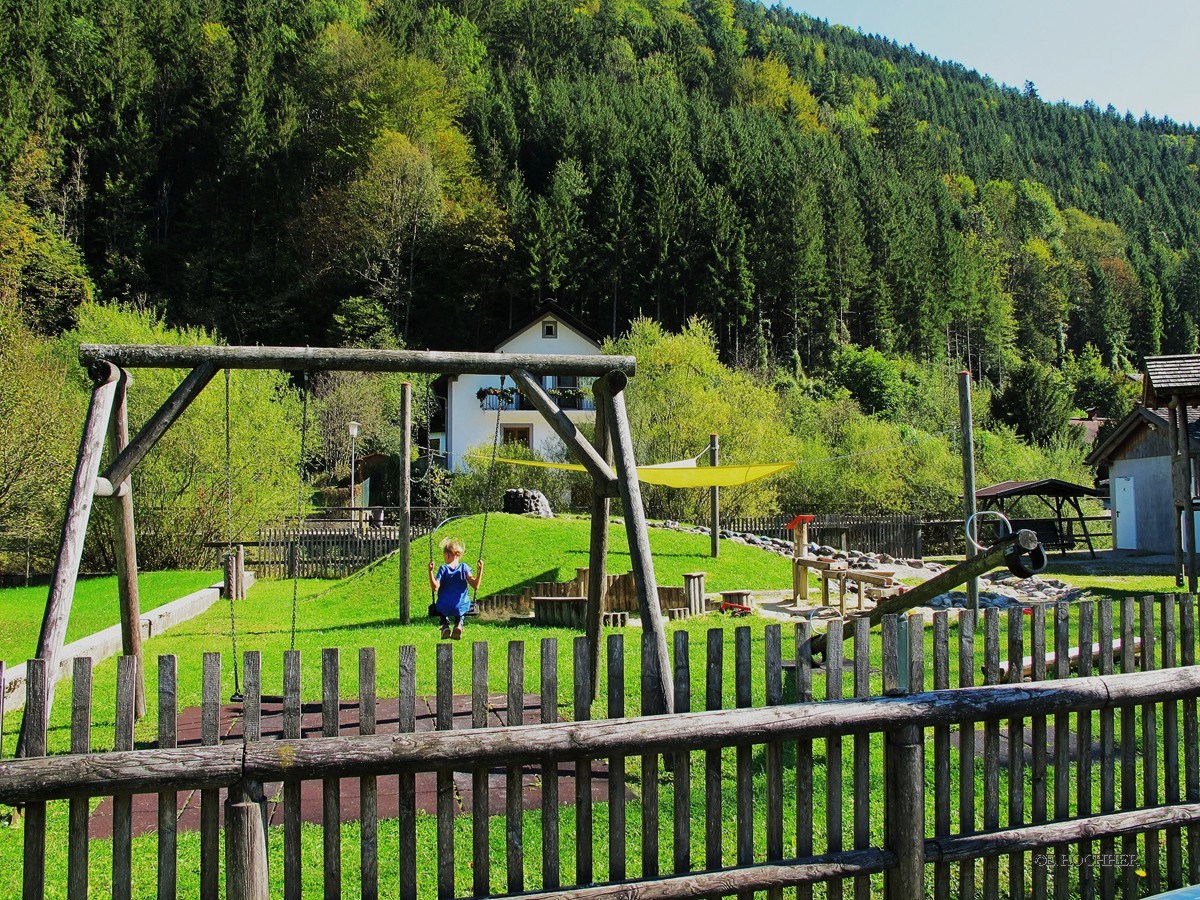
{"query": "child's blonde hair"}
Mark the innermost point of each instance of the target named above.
(453, 544)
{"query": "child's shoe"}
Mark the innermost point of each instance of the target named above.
(445, 632)
(457, 633)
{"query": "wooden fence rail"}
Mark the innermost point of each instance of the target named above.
(763, 786)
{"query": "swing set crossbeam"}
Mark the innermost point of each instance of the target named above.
(312, 359)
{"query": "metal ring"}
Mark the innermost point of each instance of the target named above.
(984, 512)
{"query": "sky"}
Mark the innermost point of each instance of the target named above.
(1138, 55)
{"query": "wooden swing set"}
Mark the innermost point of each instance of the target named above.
(609, 459)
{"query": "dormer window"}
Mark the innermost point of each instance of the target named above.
(549, 329)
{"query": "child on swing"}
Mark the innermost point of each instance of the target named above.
(451, 582)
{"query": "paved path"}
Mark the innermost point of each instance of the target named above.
(145, 806)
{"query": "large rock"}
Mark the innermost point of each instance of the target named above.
(521, 501)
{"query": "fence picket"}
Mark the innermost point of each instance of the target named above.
(1016, 751)
(1150, 748)
(168, 737)
(33, 873)
(583, 766)
(991, 751)
(512, 793)
(682, 762)
(966, 751)
(1170, 743)
(79, 807)
(744, 804)
(1128, 749)
(1037, 731)
(331, 788)
(649, 770)
(1062, 750)
(368, 785)
(833, 752)
(444, 721)
(1107, 753)
(804, 755)
(941, 752)
(291, 787)
(1191, 738)
(713, 683)
(551, 878)
(773, 663)
(862, 754)
(210, 810)
(480, 846)
(1083, 743)
(406, 816)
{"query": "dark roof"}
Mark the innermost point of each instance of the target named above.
(1171, 375)
(1142, 417)
(554, 311)
(1047, 487)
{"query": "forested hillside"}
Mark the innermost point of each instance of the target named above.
(325, 172)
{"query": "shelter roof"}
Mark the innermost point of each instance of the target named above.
(552, 310)
(1141, 417)
(1168, 376)
(1046, 487)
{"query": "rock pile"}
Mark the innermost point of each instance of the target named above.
(1001, 589)
(521, 501)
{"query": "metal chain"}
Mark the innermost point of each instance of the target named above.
(299, 504)
(230, 588)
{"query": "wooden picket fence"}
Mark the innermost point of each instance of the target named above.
(898, 535)
(733, 800)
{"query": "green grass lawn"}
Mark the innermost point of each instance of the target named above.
(93, 608)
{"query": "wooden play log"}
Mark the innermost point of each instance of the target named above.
(405, 551)
(79, 509)
(598, 546)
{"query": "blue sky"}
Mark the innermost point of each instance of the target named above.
(1141, 56)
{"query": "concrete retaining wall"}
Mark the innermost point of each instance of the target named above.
(106, 643)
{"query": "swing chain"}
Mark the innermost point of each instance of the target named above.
(491, 480)
(299, 502)
(230, 588)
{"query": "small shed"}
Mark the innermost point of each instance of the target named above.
(1060, 498)
(1151, 462)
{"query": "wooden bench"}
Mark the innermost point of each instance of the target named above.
(881, 583)
(1073, 655)
(1048, 533)
(737, 602)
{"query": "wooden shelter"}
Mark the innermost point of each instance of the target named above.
(108, 367)
(1058, 496)
(1174, 382)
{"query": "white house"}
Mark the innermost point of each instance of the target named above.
(471, 418)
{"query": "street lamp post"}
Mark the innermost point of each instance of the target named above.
(353, 426)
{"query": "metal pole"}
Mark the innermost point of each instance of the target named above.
(968, 462)
(714, 498)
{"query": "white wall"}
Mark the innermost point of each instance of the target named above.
(1152, 498)
(468, 426)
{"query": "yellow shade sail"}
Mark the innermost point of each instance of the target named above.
(679, 476)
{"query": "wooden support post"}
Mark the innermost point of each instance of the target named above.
(1176, 491)
(405, 554)
(968, 463)
(598, 547)
(125, 546)
(79, 510)
(1185, 479)
(558, 420)
(180, 399)
(659, 681)
(241, 572)
(904, 814)
(714, 500)
(246, 874)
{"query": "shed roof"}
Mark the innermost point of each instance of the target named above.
(1046, 487)
(1167, 376)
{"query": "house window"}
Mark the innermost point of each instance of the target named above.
(516, 434)
(549, 329)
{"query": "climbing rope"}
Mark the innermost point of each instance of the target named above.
(231, 587)
(299, 504)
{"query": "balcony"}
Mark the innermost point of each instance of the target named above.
(512, 400)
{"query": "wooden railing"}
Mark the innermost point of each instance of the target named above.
(797, 815)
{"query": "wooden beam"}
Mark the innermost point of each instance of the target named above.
(598, 547)
(180, 399)
(296, 359)
(663, 696)
(1185, 480)
(125, 547)
(79, 509)
(597, 467)
(195, 767)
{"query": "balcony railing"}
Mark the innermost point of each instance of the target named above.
(492, 402)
